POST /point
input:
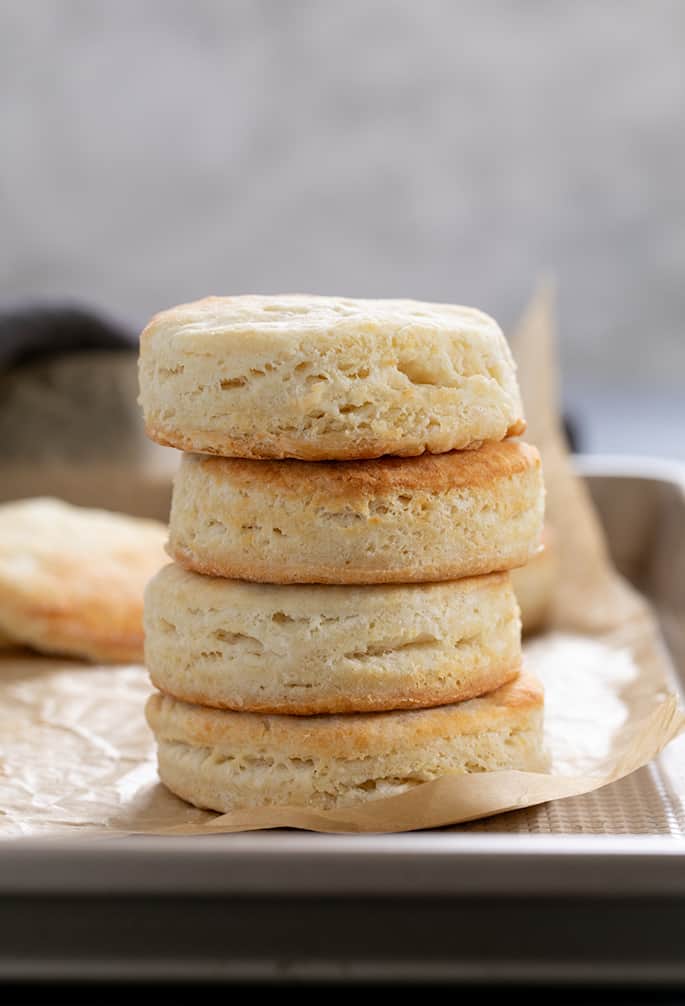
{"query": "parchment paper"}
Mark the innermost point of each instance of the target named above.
(76, 756)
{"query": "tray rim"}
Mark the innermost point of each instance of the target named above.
(413, 864)
(303, 864)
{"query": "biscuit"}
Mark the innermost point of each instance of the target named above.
(228, 761)
(72, 579)
(317, 378)
(534, 584)
(311, 649)
(436, 517)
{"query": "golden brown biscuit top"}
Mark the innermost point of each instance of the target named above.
(343, 735)
(429, 473)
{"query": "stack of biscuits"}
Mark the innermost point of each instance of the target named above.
(339, 622)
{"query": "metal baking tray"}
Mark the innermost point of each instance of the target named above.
(585, 890)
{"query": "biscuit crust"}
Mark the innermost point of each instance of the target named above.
(228, 761)
(315, 378)
(305, 650)
(393, 520)
(72, 579)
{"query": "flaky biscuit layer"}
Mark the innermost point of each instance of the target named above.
(326, 378)
(229, 761)
(436, 517)
(311, 649)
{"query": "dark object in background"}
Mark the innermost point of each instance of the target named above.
(68, 410)
(33, 331)
(68, 387)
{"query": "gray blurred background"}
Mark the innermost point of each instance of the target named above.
(158, 151)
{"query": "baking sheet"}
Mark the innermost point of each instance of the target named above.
(77, 758)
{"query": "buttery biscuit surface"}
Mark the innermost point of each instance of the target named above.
(309, 377)
(402, 520)
(72, 578)
(228, 761)
(304, 649)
